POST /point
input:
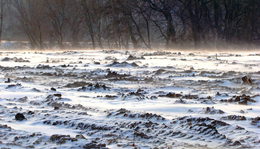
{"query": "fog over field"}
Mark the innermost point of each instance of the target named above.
(129, 99)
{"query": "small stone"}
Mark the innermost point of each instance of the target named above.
(57, 95)
(30, 112)
(236, 143)
(53, 89)
(221, 112)
(244, 102)
(80, 137)
(8, 80)
(97, 63)
(19, 117)
(56, 108)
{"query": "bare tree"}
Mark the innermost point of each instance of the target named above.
(138, 23)
(75, 21)
(3, 4)
(31, 17)
(126, 7)
(88, 14)
(57, 12)
(165, 7)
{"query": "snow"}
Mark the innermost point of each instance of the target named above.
(119, 107)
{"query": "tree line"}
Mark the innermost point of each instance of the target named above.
(148, 24)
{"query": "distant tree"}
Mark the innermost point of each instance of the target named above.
(58, 14)
(75, 21)
(126, 8)
(142, 9)
(255, 22)
(99, 17)
(3, 4)
(138, 23)
(165, 7)
(30, 14)
(89, 20)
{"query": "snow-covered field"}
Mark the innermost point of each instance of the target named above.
(129, 99)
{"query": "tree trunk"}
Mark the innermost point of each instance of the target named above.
(134, 41)
(1, 19)
(217, 19)
(170, 33)
(88, 21)
(195, 26)
(115, 28)
(148, 45)
(100, 36)
(75, 38)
